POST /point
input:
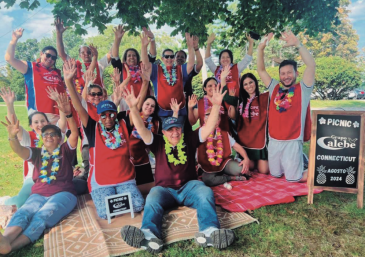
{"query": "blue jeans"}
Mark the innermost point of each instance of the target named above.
(40, 212)
(98, 196)
(194, 194)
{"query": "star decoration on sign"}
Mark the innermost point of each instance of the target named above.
(322, 121)
(356, 124)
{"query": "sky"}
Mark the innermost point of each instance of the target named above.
(37, 23)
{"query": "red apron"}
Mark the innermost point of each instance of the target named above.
(224, 124)
(232, 80)
(79, 80)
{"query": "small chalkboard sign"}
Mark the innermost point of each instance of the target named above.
(336, 153)
(118, 204)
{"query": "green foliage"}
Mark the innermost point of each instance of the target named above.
(197, 85)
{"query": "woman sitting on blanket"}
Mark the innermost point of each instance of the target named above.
(53, 193)
(111, 171)
(37, 120)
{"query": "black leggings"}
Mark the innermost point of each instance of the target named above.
(219, 178)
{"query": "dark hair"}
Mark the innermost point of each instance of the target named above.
(154, 115)
(289, 62)
(186, 56)
(229, 53)
(94, 86)
(243, 95)
(30, 117)
(206, 82)
(126, 52)
(166, 50)
(49, 48)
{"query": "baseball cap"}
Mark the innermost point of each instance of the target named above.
(106, 106)
(173, 122)
(54, 127)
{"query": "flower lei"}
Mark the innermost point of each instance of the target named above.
(171, 79)
(180, 153)
(219, 71)
(38, 142)
(215, 158)
(114, 139)
(134, 71)
(245, 114)
(149, 127)
(283, 104)
(206, 105)
(55, 165)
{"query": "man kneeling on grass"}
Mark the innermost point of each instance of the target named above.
(176, 181)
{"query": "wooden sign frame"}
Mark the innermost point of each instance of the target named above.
(359, 190)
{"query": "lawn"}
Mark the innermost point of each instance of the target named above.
(332, 226)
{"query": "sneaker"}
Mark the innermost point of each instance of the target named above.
(305, 162)
(220, 238)
(134, 237)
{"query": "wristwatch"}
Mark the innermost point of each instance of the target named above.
(69, 116)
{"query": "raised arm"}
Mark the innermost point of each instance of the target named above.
(53, 95)
(63, 104)
(19, 65)
(118, 35)
(199, 58)
(59, 33)
(250, 44)
(149, 33)
(89, 78)
(309, 72)
(69, 71)
(261, 70)
(132, 102)
(213, 116)
(175, 107)
(94, 60)
(13, 129)
(193, 113)
(191, 57)
(144, 41)
(209, 45)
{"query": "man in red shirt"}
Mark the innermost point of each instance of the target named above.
(176, 181)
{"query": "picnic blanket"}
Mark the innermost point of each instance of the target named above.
(260, 190)
(83, 233)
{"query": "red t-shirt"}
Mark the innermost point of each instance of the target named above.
(63, 182)
(169, 175)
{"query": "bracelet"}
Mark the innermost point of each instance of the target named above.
(298, 47)
(13, 138)
(197, 49)
(69, 116)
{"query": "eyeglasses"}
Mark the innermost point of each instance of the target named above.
(53, 57)
(93, 94)
(167, 56)
(52, 134)
(109, 115)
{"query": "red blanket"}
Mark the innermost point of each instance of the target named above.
(260, 190)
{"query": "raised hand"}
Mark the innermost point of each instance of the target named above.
(249, 38)
(116, 76)
(225, 72)
(148, 32)
(63, 104)
(289, 38)
(94, 50)
(217, 95)
(11, 126)
(175, 107)
(145, 40)
(18, 33)
(59, 26)
(192, 101)
(7, 95)
(196, 42)
(52, 93)
(117, 93)
(119, 31)
(146, 72)
(211, 38)
(189, 40)
(265, 41)
(69, 69)
(89, 77)
(129, 98)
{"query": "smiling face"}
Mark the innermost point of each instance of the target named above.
(173, 135)
(148, 107)
(108, 119)
(85, 54)
(210, 87)
(51, 139)
(131, 58)
(288, 75)
(250, 86)
(168, 61)
(225, 59)
(180, 58)
(95, 96)
(38, 122)
(48, 62)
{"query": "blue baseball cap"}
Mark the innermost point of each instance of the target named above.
(173, 122)
(106, 106)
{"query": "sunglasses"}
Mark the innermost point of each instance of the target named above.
(53, 57)
(52, 134)
(109, 115)
(167, 56)
(93, 94)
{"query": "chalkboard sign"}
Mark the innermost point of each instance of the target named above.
(336, 153)
(118, 204)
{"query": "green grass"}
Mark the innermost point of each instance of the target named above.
(332, 226)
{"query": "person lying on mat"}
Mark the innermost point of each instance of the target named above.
(176, 181)
(53, 193)
(111, 171)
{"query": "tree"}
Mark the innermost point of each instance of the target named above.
(261, 16)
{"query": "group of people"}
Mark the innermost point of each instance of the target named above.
(157, 109)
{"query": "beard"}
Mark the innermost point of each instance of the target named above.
(291, 83)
